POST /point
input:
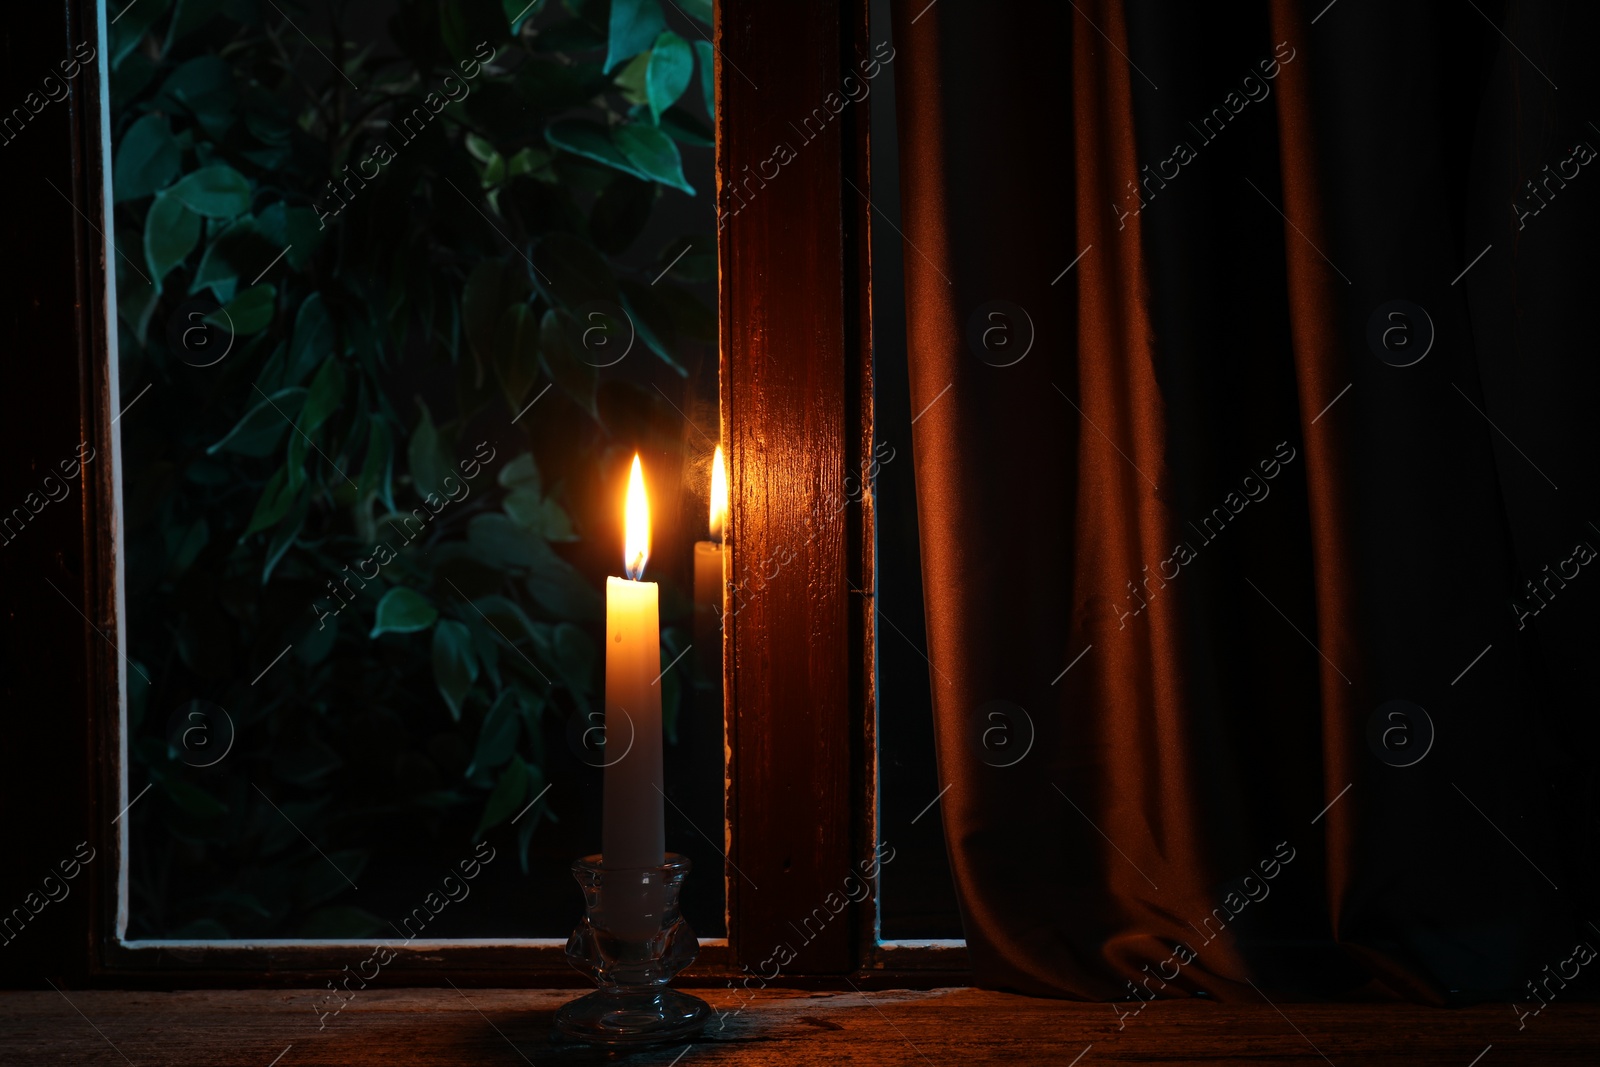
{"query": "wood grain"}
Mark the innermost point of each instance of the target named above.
(940, 1028)
(786, 335)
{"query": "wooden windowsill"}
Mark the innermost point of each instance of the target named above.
(940, 1028)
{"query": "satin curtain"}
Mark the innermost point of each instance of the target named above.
(1192, 542)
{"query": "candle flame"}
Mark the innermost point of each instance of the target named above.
(636, 524)
(719, 495)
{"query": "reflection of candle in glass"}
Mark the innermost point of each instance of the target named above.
(709, 559)
(633, 834)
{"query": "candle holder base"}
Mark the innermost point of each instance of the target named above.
(603, 1018)
(631, 942)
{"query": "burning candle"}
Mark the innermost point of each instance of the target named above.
(633, 833)
(709, 557)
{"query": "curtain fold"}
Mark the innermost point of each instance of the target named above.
(1205, 545)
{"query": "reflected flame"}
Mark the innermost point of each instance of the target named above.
(719, 495)
(636, 524)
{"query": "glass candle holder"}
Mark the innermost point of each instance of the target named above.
(631, 942)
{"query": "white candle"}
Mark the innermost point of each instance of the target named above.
(633, 834)
(709, 559)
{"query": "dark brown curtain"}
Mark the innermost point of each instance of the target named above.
(1193, 542)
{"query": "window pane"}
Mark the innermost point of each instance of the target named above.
(402, 288)
(918, 898)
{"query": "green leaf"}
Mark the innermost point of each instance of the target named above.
(522, 506)
(517, 12)
(249, 312)
(235, 250)
(591, 141)
(127, 32)
(579, 380)
(652, 320)
(170, 233)
(520, 472)
(560, 590)
(377, 467)
(497, 737)
(574, 655)
(671, 68)
(698, 9)
(708, 76)
(204, 88)
(487, 645)
(533, 162)
(634, 25)
(631, 80)
(293, 228)
(217, 192)
(275, 130)
(506, 798)
(284, 538)
(259, 432)
(455, 668)
(653, 154)
(554, 522)
(274, 502)
(327, 391)
(480, 149)
(493, 174)
(188, 545)
(402, 611)
(510, 624)
(318, 641)
(428, 456)
(516, 353)
(147, 159)
(314, 339)
(531, 704)
(497, 542)
(136, 302)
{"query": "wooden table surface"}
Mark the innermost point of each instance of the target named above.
(938, 1028)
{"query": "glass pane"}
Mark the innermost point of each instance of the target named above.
(403, 285)
(917, 898)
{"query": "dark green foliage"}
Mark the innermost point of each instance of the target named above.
(394, 269)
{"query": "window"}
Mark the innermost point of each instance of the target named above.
(416, 284)
(375, 330)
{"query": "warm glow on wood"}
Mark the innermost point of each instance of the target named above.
(636, 524)
(719, 495)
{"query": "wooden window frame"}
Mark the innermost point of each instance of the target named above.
(796, 387)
